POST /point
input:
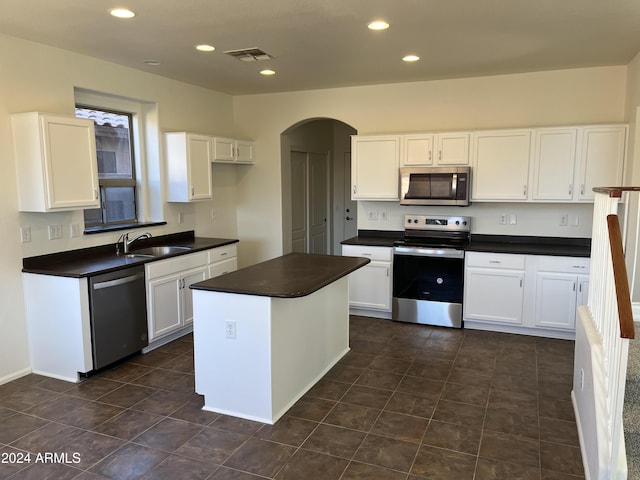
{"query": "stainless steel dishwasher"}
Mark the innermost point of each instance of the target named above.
(118, 315)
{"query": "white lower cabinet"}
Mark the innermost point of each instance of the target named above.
(488, 275)
(169, 302)
(561, 286)
(169, 298)
(530, 294)
(370, 286)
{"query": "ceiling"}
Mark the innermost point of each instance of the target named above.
(325, 43)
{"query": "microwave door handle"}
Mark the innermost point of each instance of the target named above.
(454, 185)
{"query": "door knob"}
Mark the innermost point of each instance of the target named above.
(349, 218)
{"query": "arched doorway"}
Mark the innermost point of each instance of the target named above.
(317, 210)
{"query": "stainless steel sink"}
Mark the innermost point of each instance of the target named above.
(159, 251)
(138, 255)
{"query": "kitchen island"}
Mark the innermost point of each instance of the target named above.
(265, 334)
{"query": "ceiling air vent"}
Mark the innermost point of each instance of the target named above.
(249, 54)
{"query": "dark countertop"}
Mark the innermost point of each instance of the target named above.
(375, 238)
(102, 259)
(530, 245)
(290, 276)
(556, 246)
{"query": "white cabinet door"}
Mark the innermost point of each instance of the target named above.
(370, 286)
(188, 167)
(452, 148)
(500, 164)
(223, 149)
(187, 279)
(164, 305)
(428, 149)
(229, 150)
(494, 295)
(554, 158)
(417, 150)
(374, 167)
(601, 158)
(555, 305)
(245, 151)
(56, 162)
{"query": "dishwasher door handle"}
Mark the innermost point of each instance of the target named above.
(117, 281)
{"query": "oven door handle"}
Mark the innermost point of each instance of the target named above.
(428, 252)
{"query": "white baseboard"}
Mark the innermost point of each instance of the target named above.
(15, 375)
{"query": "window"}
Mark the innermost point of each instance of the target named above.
(116, 169)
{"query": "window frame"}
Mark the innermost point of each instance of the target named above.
(104, 183)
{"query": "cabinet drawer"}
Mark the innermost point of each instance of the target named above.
(563, 264)
(495, 260)
(383, 254)
(222, 253)
(180, 263)
(225, 266)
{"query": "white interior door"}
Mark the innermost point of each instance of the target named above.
(317, 205)
(299, 201)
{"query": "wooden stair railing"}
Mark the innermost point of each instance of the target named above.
(625, 315)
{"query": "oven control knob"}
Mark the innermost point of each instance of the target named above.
(464, 223)
(415, 220)
(457, 222)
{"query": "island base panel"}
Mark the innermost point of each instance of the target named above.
(282, 347)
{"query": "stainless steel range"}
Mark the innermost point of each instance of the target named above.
(428, 270)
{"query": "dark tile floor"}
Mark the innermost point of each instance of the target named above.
(408, 402)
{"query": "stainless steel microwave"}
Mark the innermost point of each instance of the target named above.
(435, 186)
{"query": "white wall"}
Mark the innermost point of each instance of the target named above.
(38, 78)
(564, 97)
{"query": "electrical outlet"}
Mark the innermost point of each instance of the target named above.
(503, 219)
(373, 215)
(74, 230)
(55, 232)
(512, 219)
(564, 220)
(382, 214)
(575, 221)
(180, 217)
(230, 329)
(25, 234)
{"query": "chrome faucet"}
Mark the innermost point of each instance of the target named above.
(126, 243)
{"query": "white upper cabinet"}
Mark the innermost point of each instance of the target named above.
(427, 149)
(374, 167)
(229, 150)
(554, 157)
(601, 158)
(417, 150)
(188, 167)
(453, 148)
(500, 160)
(55, 158)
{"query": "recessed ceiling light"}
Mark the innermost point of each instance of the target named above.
(378, 25)
(411, 58)
(122, 13)
(267, 72)
(153, 63)
(205, 48)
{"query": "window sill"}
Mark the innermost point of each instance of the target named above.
(121, 226)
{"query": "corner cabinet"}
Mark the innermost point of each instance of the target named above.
(56, 164)
(374, 167)
(229, 150)
(370, 286)
(188, 167)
